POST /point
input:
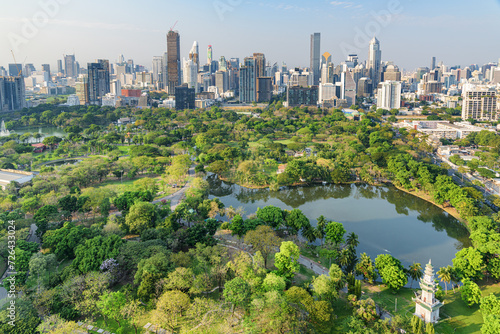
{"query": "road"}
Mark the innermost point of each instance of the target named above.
(176, 197)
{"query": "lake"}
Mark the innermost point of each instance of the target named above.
(387, 220)
(46, 131)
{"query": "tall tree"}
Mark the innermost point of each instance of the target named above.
(263, 239)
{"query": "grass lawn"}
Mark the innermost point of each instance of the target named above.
(385, 297)
(304, 275)
(284, 141)
(254, 144)
(341, 311)
(123, 149)
(459, 316)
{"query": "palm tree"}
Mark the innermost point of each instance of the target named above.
(309, 233)
(352, 240)
(445, 275)
(415, 272)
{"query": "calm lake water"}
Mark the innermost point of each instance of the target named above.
(386, 219)
(46, 131)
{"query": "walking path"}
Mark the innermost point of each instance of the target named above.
(176, 197)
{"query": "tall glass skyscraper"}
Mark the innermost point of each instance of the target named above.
(374, 61)
(248, 78)
(315, 56)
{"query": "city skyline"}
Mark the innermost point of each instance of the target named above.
(404, 35)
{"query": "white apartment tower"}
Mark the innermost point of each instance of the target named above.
(389, 95)
(479, 103)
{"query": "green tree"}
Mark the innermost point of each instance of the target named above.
(490, 308)
(366, 268)
(110, 305)
(170, 308)
(273, 282)
(264, 240)
(238, 292)
(287, 260)
(335, 232)
(471, 294)
(415, 272)
(445, 275)
(469, 263)
(391, 271)
(271, 215)
(142, 216)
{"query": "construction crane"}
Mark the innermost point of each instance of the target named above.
(172, 28)
(15, 62)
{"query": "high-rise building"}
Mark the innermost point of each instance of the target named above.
(348, 90)
(389, 95)
(260, 64)
(392, 73)
(194, 54)
(302, 96)
(315, 57)
(174, 61)
(3, 72)
(99, 81)
(184, 97)
(479, 103)
(326, 58)
(209, 55)
(222, 81)
(248, 80)
(46, 68)
(28, 69)
(365, 87)
(12, 93)
(327, 92)
(15, 70)
(190, 74)
(82, 89)
(70, 66)
(222, 64)
(374, 61)
(433, 63)
(60, 66)
(264, 89)
(157, 69)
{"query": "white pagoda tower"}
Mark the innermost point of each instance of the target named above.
(427, 306)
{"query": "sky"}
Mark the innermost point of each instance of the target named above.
(410, 32)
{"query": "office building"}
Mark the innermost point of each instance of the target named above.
(46, 68)
(392, 73)
(302, 96)
(82, 89)
(99, 81)
(15, 70)
(479, 103)
(194, 54)
(248, 80)
(184, 97)
(264, 89)
(190, 74)
(348, 85)
(157, 70)
(433, 63)
(260, 64)
(315, 57)
(389, 95)
(374, 61)
(174, 61)
(3, 72)
(12, 93)
(365, 87)
(327, 92)
(70, 66)
(222, 81)
(60, 69)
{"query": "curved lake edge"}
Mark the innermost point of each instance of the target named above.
(418, 193)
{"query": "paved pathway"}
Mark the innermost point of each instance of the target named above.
(176, 197)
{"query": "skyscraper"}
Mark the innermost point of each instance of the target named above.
(174, 61)
(315, 56)
(70, 66)
(248, 80)
(260, 63)
(157, 69)
(12, 93)
(194, 54)
(209, 55)
(98, 81)
(433, 63)
(15, 70)
(60, 66)
(389, 95)
(374, 61)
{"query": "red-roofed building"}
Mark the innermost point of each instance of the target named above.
(38, 148)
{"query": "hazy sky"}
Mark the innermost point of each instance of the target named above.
(457, 32)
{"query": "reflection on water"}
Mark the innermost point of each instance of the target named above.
(386, 219)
